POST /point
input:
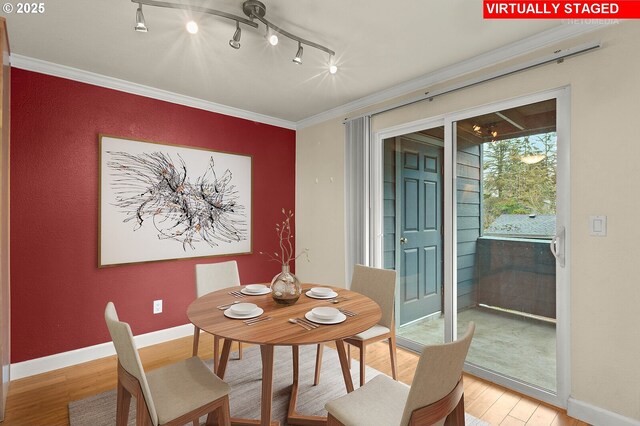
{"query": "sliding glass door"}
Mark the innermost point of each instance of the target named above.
(506, 168)
(471, 212)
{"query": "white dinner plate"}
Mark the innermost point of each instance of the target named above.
(337, 320)
(253, 314)
(315, 296)
(249, 293)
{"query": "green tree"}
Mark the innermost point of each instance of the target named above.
(512, 186)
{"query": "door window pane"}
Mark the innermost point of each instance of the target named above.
(506, 205)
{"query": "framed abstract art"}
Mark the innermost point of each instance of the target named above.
(160, 202)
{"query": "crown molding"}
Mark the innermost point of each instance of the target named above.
(505, 53)
(63, 71)
(508, 52)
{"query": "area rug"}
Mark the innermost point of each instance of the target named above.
(244, 377)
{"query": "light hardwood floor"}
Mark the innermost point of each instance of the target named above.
(42, 400)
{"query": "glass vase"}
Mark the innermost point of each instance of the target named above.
(285, 287)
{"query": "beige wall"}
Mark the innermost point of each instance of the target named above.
(320, 203)
(605, 285)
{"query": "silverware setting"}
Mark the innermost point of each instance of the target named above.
(338, 299)
(348, 313)
(307, 322)
(236, 293)
(252, 321)
(303, 324)
(227, 305)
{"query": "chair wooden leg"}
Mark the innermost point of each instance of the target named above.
(456, 417)
(224, 413)
(216, 352)
(363, 365)
(349, 355)
(196, 340)
(211, 418)
(142, 413)
(392, 355)
(239, 350)
(122, 406)
(316, 376)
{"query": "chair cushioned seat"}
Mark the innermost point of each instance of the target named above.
(374, 331)
(363, 406)
(183, 387)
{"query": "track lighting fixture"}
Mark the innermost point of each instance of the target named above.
(255, 10)
(235, 41)
(298, 58)
(140, 24)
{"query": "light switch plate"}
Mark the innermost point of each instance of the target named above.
(598, 226)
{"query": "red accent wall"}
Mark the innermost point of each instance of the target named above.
(58, 294)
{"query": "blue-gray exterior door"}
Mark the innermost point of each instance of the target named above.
(420, 244)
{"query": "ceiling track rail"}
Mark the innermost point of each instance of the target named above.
(254, 9)
(210, 11)
(558, 57)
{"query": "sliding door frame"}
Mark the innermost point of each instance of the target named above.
(563, 276)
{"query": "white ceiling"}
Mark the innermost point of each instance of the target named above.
(378, 43)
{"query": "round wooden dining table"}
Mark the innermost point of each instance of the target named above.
(278, 331)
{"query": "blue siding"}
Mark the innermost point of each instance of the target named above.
(389, 259)
(468, 188)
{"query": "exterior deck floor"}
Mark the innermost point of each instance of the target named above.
(514, 346)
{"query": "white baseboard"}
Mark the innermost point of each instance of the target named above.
(90, 353)
(597, 416)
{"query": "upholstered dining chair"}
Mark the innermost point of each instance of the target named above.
(380, 286)
(171, 395)
(436, 395)
(211, 277)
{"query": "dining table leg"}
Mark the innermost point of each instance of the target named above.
(224, 358)
(344, 364)
(295, 355)
(266, 351)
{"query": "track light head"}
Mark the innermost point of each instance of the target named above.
(192, 27)
(140, 24)
(333, 68)
(235, 41)
(298, 59)
(272, 37)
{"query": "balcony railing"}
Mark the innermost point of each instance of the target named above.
(516, 275)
